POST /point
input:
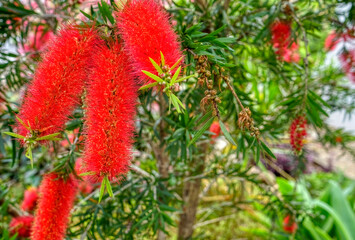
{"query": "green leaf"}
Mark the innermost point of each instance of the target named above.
(23, 124)
(207, 115)
(87, 174)
(201, 131)
(226, 133)
(175, 64)
(341, 227)
(48, 137)
(184, 78)
(108, 187)
(176, 74)
(319, 98)
(175, 102)
(157, 67)
(267, 149)
(102, 189)
(148, 86)
(162, 59)
(14, 135)
(29, 155)
(151, 75)
(341, 205)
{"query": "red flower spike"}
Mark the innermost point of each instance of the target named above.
(298, 133)
(281, 40)
(289, 224)
(216, 129)
(30, 199)
(347, 60)
(146, 31)
(331, 41)
(58, 82)
(111, 100)
(57, 196)
(21, 225)
(281, 34)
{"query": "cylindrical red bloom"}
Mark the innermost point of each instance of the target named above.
(331, 41)
(30, 199)
(281, 40)
(58, 81)
(21, 225)
(298, 133)
(347, 60)
(146, 31)
(281, 34)
(57, 196)
(111, 100)
(289, 224)
(216, 129)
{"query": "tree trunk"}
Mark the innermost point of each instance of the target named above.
(190, 195)
(161, 155)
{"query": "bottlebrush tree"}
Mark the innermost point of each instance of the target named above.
(146, 119)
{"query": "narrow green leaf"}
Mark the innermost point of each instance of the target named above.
(14, 135)
(201, 131)
(102, 189)
(23, 124)
(108, 187)
(175, 64)
(148, 86)
(319, 98)
(267, 149)
(176, 74)
(29, 155)
(207, 115)
(226, 133)
(151, 75)
(184, 78)
(87, 174)
(178, 100)
(157, 67)
(162, 59)
(48, 137)
(175, 103)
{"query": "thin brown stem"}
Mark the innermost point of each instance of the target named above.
(234, 93)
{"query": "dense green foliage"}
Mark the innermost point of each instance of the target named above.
(174, 148)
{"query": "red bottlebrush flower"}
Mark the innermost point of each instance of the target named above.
(146, 31)
(111, 99)
(281, 40)
(84, 186)
(58, 82)
(22, 226)
(281, 34)
(290, 54)
(331, 41)
(289, 224)
(216, 129)
(57, 196)
(30, 199)
(37, 40)
(298, 133)
(347, 60)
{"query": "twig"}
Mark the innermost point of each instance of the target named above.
(83, 236)
(141, 171)
(234, 93)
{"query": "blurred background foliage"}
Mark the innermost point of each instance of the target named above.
(186, 182)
